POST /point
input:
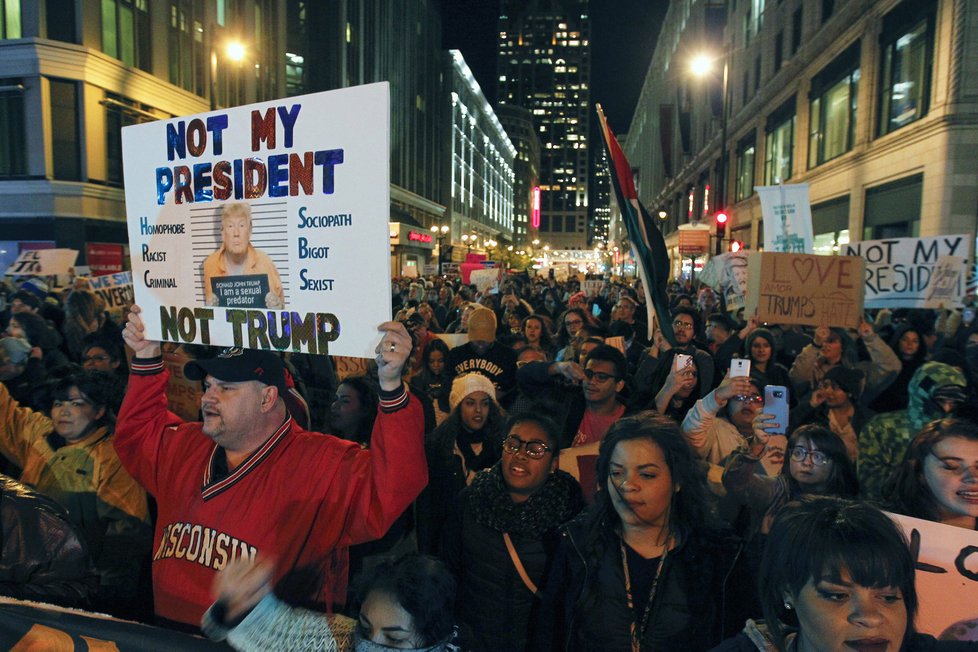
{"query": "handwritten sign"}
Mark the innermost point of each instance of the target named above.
(295, 190)
(805, 289)
(947, 576)
(43, 262)
(898, 270)
(946, 287)
(115, 290)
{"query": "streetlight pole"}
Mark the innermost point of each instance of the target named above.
(721, 202)
(440, 232)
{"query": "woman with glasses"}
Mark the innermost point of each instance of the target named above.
(504, 534)
(67, 455)
(643, 568)
(938, 478)
(468, 441)
(572, 324)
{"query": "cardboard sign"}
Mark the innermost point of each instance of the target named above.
(947, 281)
(947, 577)
(182, 394)
(347, 366)
(805, 289)
(898, 270)
(43, 262)
(294, 189)
(104, 257)
(787, 218)
(115, 290)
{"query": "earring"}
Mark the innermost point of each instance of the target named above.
(787, 605)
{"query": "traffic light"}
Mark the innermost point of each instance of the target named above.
(721, 220)
(736, 245)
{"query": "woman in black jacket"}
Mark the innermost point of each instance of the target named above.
(642, 568)
(505, 532)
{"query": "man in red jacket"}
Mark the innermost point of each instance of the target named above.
(248, 481)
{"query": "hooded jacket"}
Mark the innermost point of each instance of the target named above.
(885, 438)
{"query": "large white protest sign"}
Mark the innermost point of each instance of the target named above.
(264, 226)
(43, 262)
(947, 574)
(898, 270)
(787, 218)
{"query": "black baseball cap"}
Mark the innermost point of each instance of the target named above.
(235, 365)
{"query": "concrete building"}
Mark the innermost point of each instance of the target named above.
(873, 103)
(70, 80)
(518, 123)
(544, 65)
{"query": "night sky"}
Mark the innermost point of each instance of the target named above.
(623, 35)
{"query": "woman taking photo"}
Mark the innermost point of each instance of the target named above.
(641, 569)
(435, 378)
(836, 576)
(504, 534)
(938, 478)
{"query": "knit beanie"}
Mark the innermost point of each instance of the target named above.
(470, 383)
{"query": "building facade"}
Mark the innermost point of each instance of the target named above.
(72, 74)
(518, 123)
(544, 66)
(873, 103)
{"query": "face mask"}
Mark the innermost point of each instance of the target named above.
(361, 644)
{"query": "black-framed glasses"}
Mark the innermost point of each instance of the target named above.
(600, 376)
(535, 449)
(800, 453)
(753, 399)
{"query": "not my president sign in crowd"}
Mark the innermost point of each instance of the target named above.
(264, 226)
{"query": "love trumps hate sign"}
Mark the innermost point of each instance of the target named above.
(805, 289)
(265, 226)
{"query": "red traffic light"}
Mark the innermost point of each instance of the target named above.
(736, 245)
(721, 218)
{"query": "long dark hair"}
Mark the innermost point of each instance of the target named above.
(907, 489)
(842, 480)
(422, 586)
(367, 397)
(825, 536)
(546, 339)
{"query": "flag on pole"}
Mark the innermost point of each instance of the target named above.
(648, 246)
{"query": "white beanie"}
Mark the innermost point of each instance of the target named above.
(470, 383)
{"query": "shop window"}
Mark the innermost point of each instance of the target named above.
(893, 209)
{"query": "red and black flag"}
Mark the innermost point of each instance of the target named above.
(648, 246)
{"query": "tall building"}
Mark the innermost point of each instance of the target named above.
(600, 204)
(544, 66)
(481, 164)
(871, 103)
(73, 73)
(518, 123)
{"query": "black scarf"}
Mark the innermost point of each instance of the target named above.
(555, 503)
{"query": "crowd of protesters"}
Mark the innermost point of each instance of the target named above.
(591, 485)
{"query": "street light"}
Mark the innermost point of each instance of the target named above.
(490, 245)
(440, 232)
(701, 66)
(233, 51)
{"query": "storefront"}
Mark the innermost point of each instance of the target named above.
(411, 248)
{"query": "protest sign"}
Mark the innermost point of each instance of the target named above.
(43, 262)
(805, 289)
(347, 366)
(946, 287)
(898, 270)
(453, 339)
(787, 218)
(104, 257)
(36, 626)
(294, 191)
(182, 394)
(449, 268)
(115, 290)
(947, 576)
(485, 280)
(727, 274)
(592, 287)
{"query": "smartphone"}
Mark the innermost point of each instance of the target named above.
(681, 361)
(740, 367)
(776, 404)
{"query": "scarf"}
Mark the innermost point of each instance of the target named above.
(555, 503)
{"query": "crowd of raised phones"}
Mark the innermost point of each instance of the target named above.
(591, 485)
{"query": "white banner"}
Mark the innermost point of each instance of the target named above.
(787, 218)
(947, 577)
(43, 262)
(898, 270)
(265, 226)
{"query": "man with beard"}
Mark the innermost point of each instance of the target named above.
(685, 324)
